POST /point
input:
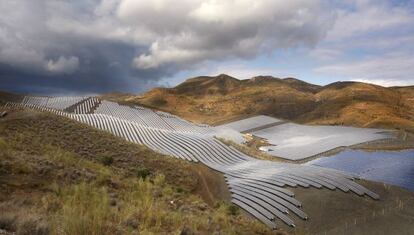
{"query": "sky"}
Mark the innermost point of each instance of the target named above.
(58, 47)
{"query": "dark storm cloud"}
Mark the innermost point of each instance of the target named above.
(103, 67)
(93, 46)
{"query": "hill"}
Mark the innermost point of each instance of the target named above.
(58, 176)
(5, 97)
(222, 98)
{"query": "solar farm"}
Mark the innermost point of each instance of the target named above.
(297, 142)
(259, 187)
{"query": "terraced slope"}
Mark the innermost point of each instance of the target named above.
(257, 186)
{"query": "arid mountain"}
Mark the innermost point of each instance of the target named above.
(223, 98)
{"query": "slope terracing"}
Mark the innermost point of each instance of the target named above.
(259, 187)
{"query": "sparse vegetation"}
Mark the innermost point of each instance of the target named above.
(158, 102)
(106, 160)
(222, 98)
(143, 172)
(53, 181)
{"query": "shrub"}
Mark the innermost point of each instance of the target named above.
(179, 190)
(227, 208)
(106, 160)
(143, 173)
(7, 220)
(232, 209)
(159, 102)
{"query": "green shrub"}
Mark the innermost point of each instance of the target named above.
(179, 190)
(106, 160)
(143, 173)
(232, 209)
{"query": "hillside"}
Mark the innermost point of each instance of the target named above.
(61, 177)
(223, 98)
(6, 96)
(58, 176)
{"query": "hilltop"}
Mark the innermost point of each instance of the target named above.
(223, 98)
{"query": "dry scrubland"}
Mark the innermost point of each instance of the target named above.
(61, 177)
(221, 99)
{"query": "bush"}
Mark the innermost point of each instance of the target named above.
(159, 102)
(179, 190)
(106, 160)
(227, 208)
(143, 173)
(7, 220)
(232, 209)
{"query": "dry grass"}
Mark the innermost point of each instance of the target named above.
(53, 181)
(252, 151)
(216, 100)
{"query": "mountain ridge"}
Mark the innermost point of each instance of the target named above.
(219, 99)
(215, 99)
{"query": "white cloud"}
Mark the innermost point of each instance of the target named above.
(368, 16)
(390, 69)
(63, 65)
(371, 41)
(325, 53)
(199, 30)
(181, 33)
(385, 82)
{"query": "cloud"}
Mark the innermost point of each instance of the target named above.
(386, 82)
(81, 41)
(370, 16)
(63, 65)
(371, 41)
(131, 45)
(216, 30)
(390, 69)
(325, 53)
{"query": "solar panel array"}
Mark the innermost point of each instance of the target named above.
(148, 117)
(86, 105)
(257, 186)
(59, 103)
(251, 123)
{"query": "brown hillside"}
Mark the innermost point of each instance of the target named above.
(7, 97)
(222, 84)
(58, 176)
(222, 98)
